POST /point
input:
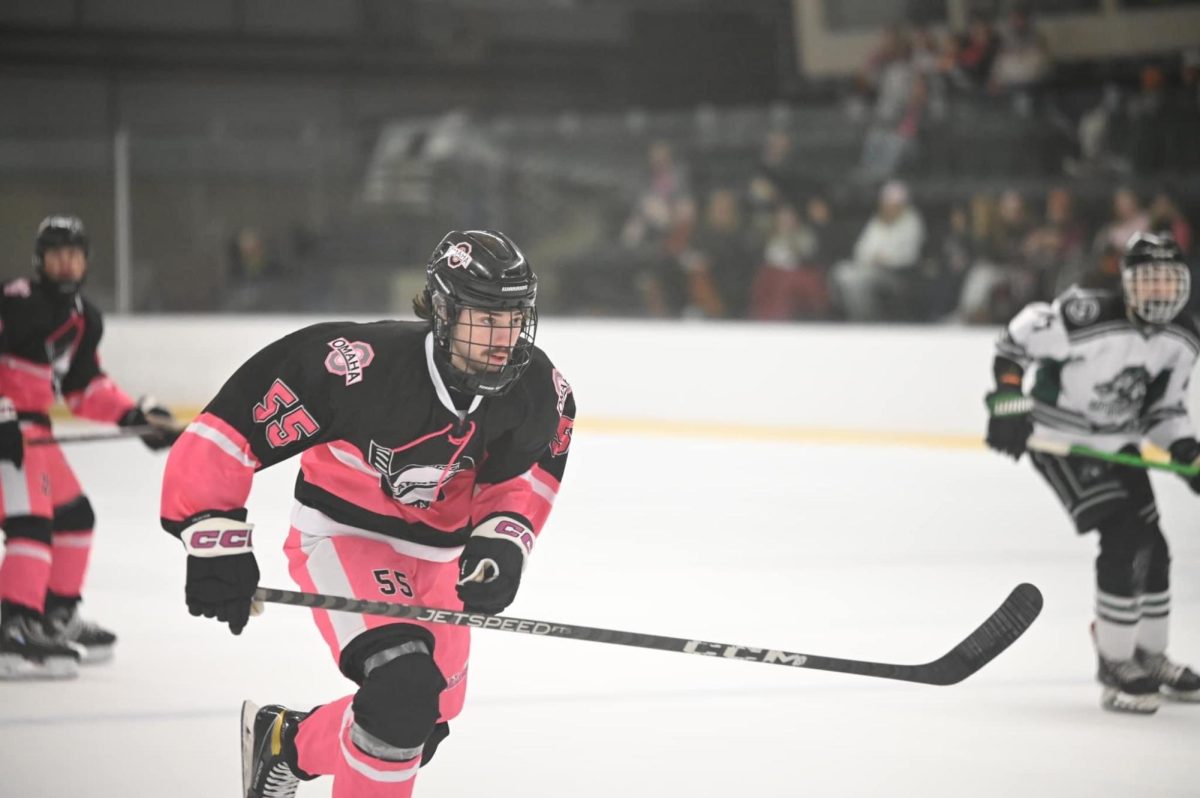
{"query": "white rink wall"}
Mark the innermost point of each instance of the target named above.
(876, 379)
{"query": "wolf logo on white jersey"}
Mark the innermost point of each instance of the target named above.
(1098, 373)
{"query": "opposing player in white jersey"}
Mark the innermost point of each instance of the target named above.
(1112, 369)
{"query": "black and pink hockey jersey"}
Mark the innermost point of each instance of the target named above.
(384, 447)
(48, 348)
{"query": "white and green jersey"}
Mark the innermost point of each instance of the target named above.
(1099, 379)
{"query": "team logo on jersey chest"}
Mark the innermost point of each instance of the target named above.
(1122, 394)
(348, 359)
(416, 484)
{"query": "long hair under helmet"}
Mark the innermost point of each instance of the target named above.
(485, 271)
(1155, 278)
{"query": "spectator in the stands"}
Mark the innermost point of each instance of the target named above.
(1150, 123)
(880, 278)
(900, 100)
(1103, 133)
(771, 184)
(1185, 115)
(1054, 249)
(790, 283)
(1128, 218)
(1022, 62)
(954, 255)
(719, 264)
(932, 61)
(976, 52)
(1165, 217)
(1000, 281)
(657, 231)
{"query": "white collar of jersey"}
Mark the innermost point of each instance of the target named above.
(439, 384)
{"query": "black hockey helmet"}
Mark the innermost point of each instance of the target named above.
(1155, 278)
(60, 230)
(481, 270)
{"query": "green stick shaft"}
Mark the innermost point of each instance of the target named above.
(1065, 449)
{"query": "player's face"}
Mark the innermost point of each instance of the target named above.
(1158, 283)
(65, 264)
(483, 340)
(1158, 292)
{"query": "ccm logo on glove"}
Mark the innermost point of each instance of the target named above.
(224, 538)
(516, 532)
(217, 537)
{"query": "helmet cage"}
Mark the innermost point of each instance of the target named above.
(1156, 291)
(468, 334)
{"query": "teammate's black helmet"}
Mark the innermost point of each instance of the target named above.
(1155, 278)
(485, 351)
(59, 231)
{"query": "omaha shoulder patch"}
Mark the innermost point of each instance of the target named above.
(348, 359)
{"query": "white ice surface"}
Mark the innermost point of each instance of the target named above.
(881, 553)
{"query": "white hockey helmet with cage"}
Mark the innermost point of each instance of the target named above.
(1155, 278)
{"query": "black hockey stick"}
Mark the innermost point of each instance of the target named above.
(997, 633)
(103, 435)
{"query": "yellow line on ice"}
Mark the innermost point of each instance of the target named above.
(760, 432)
(720, 430)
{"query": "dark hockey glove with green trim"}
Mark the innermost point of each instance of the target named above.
(1009, 422)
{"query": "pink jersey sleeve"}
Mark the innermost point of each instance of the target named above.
(100, 400)
(210, 467)
(529, 495)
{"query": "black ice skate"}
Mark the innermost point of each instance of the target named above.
(269, 768)
(29, 651)
(1128, 687)
(95, 641)
(1176, 682)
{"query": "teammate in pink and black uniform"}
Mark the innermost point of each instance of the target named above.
(48, 349)
(431, 456)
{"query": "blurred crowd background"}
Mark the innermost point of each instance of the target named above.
(861, 160)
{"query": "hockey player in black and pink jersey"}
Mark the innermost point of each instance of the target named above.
(431, 454)
(1112, 369)
(49, 336)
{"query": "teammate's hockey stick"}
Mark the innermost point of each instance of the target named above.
(997, 633)
(103, 435)
(1065, 449)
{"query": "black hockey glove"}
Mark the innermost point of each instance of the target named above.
(222, 573)
(12, 445)
(1186, 451)
(490, 567)
(150, 413)
(1009, 422)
